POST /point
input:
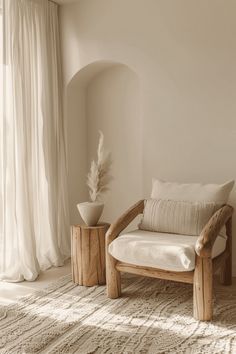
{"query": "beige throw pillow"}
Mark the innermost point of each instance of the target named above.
(192, 192)
(176, 217)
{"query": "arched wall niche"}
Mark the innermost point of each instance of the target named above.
(104, 96)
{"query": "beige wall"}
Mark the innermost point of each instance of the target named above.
(104, 96)
(113, 107)
(183, 53)
(77, 148)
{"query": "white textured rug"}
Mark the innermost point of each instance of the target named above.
(153, 316)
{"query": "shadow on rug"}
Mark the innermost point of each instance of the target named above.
(153, 316)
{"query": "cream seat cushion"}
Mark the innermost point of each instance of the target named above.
(171, 252)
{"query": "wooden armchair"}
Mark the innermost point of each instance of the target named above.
(201, 277)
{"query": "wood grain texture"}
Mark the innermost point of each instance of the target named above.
(212, 229)
(219, 261)
(112, 274)
(88, 254)
(113, 277)
(202, 289)
(226, 271)
(125, 219)
(184, 277)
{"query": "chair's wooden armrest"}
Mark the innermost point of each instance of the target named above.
(123, 221)
(206, 239)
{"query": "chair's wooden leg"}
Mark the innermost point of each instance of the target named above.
(226, 271)
(112, 278)
(202, 289)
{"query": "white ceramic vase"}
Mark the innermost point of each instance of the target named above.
(90, 212)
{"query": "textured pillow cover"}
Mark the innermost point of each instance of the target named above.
(176, 217)
(192, 192)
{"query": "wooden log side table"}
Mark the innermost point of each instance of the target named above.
(88, 254)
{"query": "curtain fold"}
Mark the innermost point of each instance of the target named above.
(34, 220)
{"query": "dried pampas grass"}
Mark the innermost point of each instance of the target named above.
(99, 176)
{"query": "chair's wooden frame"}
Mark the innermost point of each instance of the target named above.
(201, 277)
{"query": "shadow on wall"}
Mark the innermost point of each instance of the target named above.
(104, 96)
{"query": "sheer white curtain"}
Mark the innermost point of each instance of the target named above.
(34, 222)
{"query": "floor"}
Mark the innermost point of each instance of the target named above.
(152, 316)
(9, 292)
